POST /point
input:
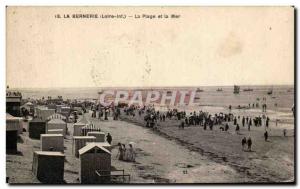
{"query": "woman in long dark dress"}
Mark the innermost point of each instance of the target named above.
(124, 152)
(244, 141)
(249, 142)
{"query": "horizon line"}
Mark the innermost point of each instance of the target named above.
(253, 85)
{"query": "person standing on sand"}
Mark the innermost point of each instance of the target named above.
(266, 136)
(108, 138)
(244, 141)
(226, 127)
(106, 114)
(131, 153)
(250, 124)
(284, 132)
(249, 143)
(124, 152)
(234, 121)
(120, 152)
(243, 121)
(211, 124)
(186, 120)
(99, 114)
(237, 129)
(267, 122)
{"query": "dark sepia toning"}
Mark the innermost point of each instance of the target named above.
(140, 95)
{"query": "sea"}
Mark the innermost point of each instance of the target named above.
(282, 97)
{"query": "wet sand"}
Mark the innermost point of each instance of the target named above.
(160, 160)
(271, 161)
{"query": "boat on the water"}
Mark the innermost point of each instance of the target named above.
(100, 92)
(199, 90)
(236, 89)
(248, 90)
(270, 91)
(219, 89)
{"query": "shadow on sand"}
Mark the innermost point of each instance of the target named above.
(17, 153)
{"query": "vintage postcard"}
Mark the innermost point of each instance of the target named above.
(142, 95)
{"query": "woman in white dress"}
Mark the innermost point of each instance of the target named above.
(131, 153)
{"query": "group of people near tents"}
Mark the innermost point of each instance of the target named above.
(126, 154)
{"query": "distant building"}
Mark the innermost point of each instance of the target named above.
(13, 103)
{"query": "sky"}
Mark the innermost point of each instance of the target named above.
(204, 46)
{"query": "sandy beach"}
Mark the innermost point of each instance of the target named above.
(170, 155)
(159, 160)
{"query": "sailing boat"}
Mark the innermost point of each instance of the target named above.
(199, 90)
(100, 92)
(270, 91)
(248, 90)
(236, 89)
